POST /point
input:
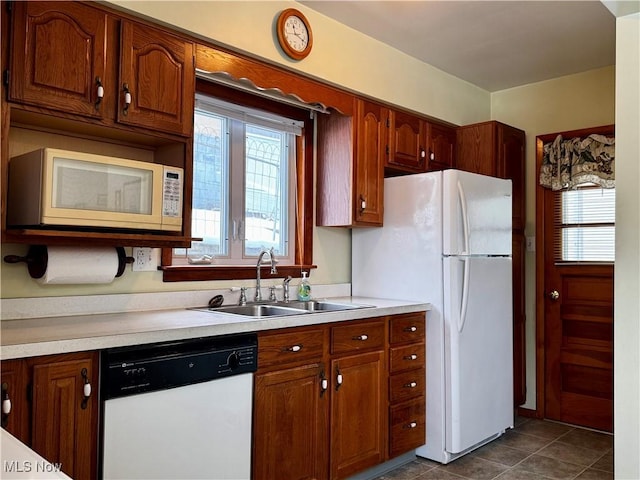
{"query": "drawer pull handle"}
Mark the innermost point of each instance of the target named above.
(411, 385)
(294, 348)
(412, 328)
(361, 338)
(411, 425)
(338, 379)
(99, 92)
(413, 356)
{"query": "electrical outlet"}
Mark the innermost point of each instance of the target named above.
(145, 259)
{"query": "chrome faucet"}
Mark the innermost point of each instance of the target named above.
(272, 256)
(285, 287)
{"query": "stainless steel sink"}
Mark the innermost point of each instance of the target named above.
(258, 310)
(323, 306)
(280, 309)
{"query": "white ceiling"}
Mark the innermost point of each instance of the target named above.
(492, 44)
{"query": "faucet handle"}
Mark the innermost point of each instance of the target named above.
(243, 296)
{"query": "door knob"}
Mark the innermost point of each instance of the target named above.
(554, 295)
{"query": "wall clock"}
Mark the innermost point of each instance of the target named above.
(294, 33)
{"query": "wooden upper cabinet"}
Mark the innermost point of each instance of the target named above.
(406, 147)
(510, 164)
(157, 79)
(369, 168)
(58, 56)
(65, 55)
(350, 169)
(441, 146)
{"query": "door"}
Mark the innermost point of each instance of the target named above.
(478, 349)
(578, 306)
(476, 214)
(406, 142)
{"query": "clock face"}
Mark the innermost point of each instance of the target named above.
(296, 34)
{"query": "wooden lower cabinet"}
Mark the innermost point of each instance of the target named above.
(61, 424)
(322, 408)
(290, 424)
(358, 411)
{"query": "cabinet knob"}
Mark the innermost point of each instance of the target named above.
(412, 328)
(127, 98)
(411, 385)
(413, 356)
(99, 92)
(294, 348)
(361, 338)
(338, 379)
(363, 204)
(86, 388)
(411, 425)
(324, 383)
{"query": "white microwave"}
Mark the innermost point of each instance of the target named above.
(52, 187)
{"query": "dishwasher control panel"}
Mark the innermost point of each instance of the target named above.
(147, 368)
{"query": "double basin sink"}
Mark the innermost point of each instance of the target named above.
(280, 309)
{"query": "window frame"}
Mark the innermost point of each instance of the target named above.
(303, 244)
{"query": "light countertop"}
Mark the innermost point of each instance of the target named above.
(28, 337)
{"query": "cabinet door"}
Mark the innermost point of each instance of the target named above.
(15, 408)
(58, 56)
(406, 142)
(369, 167)
(441, 142)
(157, 79)
(358, 413)
(475, 149)
(290, 424)
(64, 422)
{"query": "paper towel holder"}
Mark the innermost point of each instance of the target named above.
(37, 258)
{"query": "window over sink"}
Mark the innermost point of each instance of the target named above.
(252, 187)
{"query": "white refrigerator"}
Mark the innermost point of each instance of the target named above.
(446, 240)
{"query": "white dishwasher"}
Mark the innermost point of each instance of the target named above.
(179, 410)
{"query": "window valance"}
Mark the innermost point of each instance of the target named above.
(574, 161)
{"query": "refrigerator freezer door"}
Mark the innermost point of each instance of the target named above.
(478, 349)
(476, 214)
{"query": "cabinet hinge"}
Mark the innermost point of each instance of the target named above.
(386, 148)
(5, 77)
(10, 6)
(388, 123)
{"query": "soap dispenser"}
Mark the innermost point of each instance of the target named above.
(304, 289)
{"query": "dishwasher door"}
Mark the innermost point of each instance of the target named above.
(198, 431)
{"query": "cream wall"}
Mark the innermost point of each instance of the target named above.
(566, 103)
(340, 56)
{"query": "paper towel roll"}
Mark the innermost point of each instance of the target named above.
(75, 265)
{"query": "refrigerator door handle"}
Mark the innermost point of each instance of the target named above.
(465, 294)
(465, 219)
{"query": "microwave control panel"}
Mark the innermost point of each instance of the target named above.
(172, 192)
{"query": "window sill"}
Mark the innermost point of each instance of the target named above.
(196, 273)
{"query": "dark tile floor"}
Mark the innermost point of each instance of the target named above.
(533, 450)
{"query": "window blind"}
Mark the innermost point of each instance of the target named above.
(584, 220)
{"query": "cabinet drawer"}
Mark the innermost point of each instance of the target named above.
(407, 425)
(407, 328)
(407, 385)
(357, 336)
(406, 358)
(290, 347)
